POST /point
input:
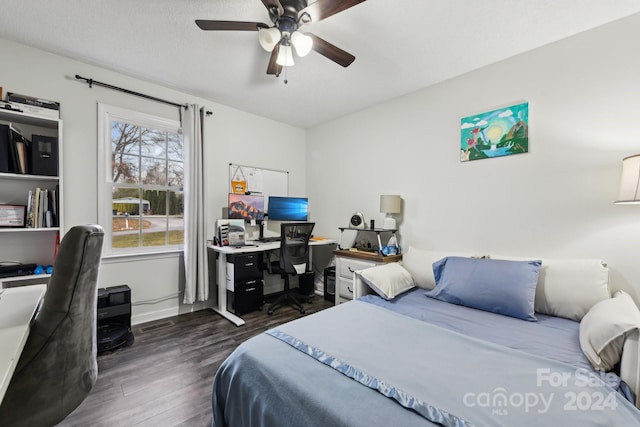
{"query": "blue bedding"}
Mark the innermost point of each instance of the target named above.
(552, 337)
(361, 365)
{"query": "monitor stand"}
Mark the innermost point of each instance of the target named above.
(261, 235)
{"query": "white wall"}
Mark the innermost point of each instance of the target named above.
(555, 201)
(233, 137)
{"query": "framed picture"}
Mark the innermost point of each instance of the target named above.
(496, 133)
(12, 215)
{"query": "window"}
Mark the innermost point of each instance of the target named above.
(142, 178)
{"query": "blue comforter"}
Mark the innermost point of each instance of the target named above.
(553, 337)
(361, 365)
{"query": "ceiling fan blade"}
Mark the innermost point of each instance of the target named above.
(274, 68)
(322, 9)
(274, 3)
(330, 51)
(229, 25)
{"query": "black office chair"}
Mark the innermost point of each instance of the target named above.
(294, 255)
(58, 365)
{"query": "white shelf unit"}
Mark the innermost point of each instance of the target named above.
(30, 245)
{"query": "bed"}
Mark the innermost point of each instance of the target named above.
(396, 356)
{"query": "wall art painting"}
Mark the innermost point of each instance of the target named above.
(496, 133)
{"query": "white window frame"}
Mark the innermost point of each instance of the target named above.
(106, 114)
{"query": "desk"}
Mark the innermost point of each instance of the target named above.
(17, 308)
(223, 251)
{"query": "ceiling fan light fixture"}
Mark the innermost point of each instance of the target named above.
(302, 42)
(269, 38)
(285, 56)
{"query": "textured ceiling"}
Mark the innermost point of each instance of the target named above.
(400, 46)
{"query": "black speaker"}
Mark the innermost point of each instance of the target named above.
(114, 318)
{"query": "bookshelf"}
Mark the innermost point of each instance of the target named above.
(30, 245)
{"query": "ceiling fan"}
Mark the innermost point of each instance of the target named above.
(288, 16)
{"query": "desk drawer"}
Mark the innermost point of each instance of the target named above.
(247, 296)
(347, 266)
(244, 267)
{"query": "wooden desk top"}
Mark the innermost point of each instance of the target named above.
(369, 256)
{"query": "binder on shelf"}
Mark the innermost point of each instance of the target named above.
(14, 150)
(21, 146)
(21, 149)
(14, 161)
(44, 155)
(4, 148)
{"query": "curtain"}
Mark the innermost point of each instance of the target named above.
(195, 239)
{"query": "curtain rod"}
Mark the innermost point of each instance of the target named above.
(92, 82)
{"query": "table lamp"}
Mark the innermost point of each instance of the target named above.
(389, 204)
(630, 180)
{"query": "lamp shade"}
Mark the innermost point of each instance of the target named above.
(630, 180)
(302, 42)
(390, 203)
(269, 38)
(285, 56)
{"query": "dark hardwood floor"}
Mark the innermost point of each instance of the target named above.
(165, 377)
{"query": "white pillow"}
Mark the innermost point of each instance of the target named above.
(419, 263)
(604, 327)
(387, 280)
(569, 287)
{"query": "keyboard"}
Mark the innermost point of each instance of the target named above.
(269, 239)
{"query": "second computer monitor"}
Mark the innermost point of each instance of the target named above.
(281, 208)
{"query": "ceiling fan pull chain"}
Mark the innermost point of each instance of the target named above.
(285, 75)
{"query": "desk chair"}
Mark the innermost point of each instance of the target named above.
(58, 365)
(294, 255)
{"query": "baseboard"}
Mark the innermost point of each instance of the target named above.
(137, 319)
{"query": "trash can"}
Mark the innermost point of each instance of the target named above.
(330, 283)
(305, 283)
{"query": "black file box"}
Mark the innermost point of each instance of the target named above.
(44, 155)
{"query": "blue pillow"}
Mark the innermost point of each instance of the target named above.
(500, 286)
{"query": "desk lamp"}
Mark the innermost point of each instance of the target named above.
(630, 180)
(389, 204)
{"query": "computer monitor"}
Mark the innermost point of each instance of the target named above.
(282, 208)
(246, 206)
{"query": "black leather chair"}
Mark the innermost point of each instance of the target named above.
(294, 256)
(58, 366)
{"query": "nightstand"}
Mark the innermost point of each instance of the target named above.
(349, 261)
